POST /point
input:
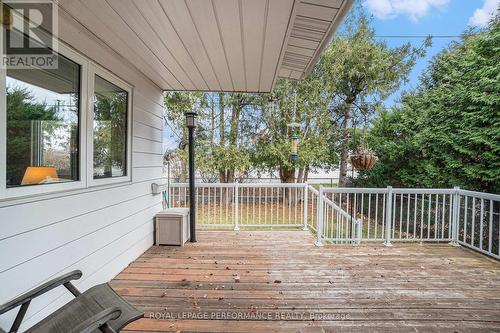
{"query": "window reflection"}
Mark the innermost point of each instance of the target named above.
(110, 130)
(43, 124)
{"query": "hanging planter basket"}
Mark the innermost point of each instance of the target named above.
(363, 161)
(364, 158)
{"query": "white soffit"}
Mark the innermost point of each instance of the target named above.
(313, 27)
(213, 45)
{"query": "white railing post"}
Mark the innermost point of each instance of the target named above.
(388, 217)
(306, 204)
(454, 222)
(360, 232)
(236, 208)
(319, 226)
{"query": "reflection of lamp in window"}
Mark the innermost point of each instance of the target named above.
(39, 175)
(6, 17)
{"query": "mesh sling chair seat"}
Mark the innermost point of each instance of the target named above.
(98, 310)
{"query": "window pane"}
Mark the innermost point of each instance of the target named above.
(43, 124)
(110, 130)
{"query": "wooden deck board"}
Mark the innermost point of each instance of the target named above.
(278, 281)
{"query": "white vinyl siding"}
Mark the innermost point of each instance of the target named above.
(98, 230)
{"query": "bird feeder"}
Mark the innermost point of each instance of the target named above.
(294, 146)
(294, 126)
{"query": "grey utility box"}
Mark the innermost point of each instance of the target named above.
(172, 226)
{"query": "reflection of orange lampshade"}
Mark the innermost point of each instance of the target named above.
(6, 17)
(36, 175)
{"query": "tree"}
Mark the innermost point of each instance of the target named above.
(300, 102)
(220, 137)
(359, 73)
(232, 152)
(110, 132)
(447, 132)
(22, 110)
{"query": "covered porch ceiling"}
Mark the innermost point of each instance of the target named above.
(214, 45)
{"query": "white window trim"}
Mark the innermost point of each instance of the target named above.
(15, 192)
(88, 70)
(108, 76)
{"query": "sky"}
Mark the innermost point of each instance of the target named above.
(414, 18)
(422, 18)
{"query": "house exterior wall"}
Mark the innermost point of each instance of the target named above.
(97, 230)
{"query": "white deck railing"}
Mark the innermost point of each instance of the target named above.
(477, 221)
(350, 215)
(235, 205)
(467, 218)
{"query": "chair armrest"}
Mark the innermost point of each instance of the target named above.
(28, 296)
(97, 321)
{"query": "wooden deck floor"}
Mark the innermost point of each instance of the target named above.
(278, 281)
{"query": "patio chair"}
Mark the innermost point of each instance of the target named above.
(98, 310)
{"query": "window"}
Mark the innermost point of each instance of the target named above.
(43, 125)
(110, 129)
(64, 128)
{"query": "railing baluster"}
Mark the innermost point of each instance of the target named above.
(236, 207)
(196, 200)
(422, 217)
(362, 213)
(341, 229)
(384, 215)
(305, 204)
(466, 214)
(393, 222)
(353, 217)
(375, 234)
(260, 204)
(247, 198)
(319, 218)
(215, 206)
(209, 211)
(429, 218)
(450, 217)
(490, 229)
(473, 228)
(348, 208)
(271, 216)
(436, 210)
(227, 204)
(415, 217)
(202, 206)
(481, 225)
(253, 206)
(407, 216)
(265, 205)
(369, 215)
(220, 204)
(388, 218)
(443, 214)
(278, 205)
(337, 224)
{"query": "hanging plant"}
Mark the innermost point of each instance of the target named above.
(364, 158)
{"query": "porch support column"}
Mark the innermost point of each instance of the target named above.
(191, 125)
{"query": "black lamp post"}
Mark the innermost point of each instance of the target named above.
(191, 125)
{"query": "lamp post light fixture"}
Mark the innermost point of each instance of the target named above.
(190, 119)
(191, 125)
